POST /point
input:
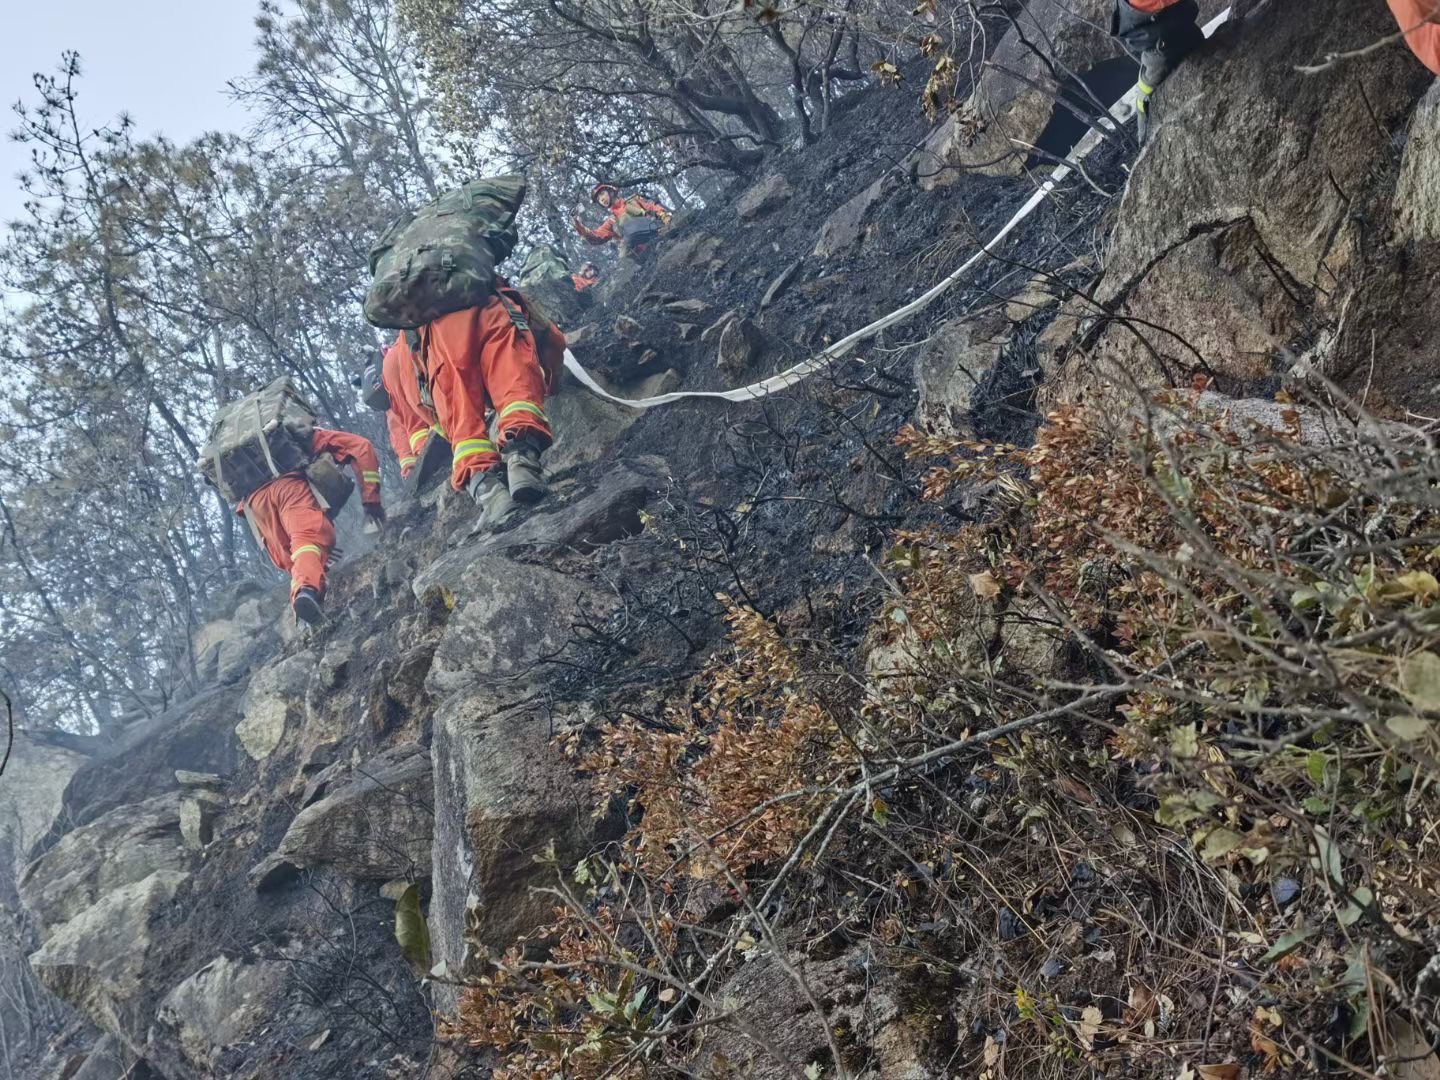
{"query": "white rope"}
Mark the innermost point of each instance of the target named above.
(1120, 112)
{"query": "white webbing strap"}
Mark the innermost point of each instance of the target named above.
(1120, 112)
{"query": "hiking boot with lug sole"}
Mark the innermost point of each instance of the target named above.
(306, 605)
(493, 498)
(522, 466)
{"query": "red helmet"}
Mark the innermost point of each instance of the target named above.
(598, 188)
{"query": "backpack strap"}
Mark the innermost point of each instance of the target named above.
(517, 316)
(254, 532)
(417, 344)
(264, 442)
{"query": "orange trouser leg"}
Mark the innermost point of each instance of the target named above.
(297, 534)
(312, 538)
(514, 379)
(459, 392)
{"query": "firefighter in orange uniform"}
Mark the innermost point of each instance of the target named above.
(298, 535)
(408, 420)
(488, 357)
(588, 277)
(633, 220)
(1160, 33)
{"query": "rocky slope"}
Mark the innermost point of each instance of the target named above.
(215, 896)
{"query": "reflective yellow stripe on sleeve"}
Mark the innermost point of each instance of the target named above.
(468, 447)
(406, 462)
(371, 477)
(417, 437)
(303, 548)
(524, 406)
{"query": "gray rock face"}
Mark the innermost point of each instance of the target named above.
(31, 797)
(1238, 223)
(219, 1005)
(951, 366)
(765, 197)
(1008, 102)
(503, 794)
(774, 1032)
(376, 827)
(587, 427)
(507, 616)
(108, 1059)
(118, 849)
(275, 699)
(739, 344)
(96, 960)
(844, 228)
(609, 512)
(1417, 195)
(696, 250)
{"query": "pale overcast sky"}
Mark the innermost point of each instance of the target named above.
(166, 62)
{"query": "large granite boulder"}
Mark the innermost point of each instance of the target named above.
(376, 827)
(124, 846)
(1241, 239)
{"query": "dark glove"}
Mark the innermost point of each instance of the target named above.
(375, 512)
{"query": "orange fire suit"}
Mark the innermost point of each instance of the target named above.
(1420, 22)
(480, 358)
(620, 209)
(409, 421)
(297, 534)
(582, 282)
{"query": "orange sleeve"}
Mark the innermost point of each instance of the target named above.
(356, 451)
(650, 206)
(1420, 23)
(603, 235)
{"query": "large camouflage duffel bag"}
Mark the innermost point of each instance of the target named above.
(442, 258)
(257, 438)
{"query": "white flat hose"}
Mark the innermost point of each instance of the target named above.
(1120, 112)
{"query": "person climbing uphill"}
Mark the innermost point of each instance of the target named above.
(408, 420)
(634, 220)
(1161, 33)
(297, 533)
(490, 357)
(588, 277)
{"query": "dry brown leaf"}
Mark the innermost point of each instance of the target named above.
(985, 585)
(1090, 1021)
(1218, 1072)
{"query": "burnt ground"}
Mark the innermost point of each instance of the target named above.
(782, 504)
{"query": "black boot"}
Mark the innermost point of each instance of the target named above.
(306, 605)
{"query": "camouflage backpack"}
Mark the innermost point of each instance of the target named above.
(442, 257)
(257, 438)
(264, 435)
(544, 263)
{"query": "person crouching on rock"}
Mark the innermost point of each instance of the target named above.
(296, 532)
(1161, 33)
(633, 220)
(488, 357)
